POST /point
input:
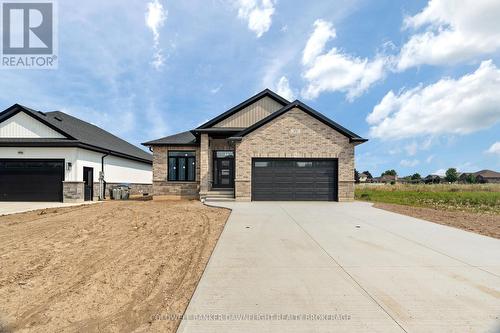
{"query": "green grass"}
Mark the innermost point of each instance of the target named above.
(469, 198)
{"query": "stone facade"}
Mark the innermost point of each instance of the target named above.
(295, 134)
(73, 191)
(164, 189)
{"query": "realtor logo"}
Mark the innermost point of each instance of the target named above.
(28, 34)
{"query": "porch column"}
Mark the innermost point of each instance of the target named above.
(204, 164)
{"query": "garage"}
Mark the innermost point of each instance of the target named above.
(294, 179)
(31, 180)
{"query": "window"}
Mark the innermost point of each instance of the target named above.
(182, 166)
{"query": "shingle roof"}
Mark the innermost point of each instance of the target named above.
(487, 174)
(183, 138)
(78, 132)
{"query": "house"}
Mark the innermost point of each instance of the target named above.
(265, 148)
(385, 179)
(483, 176)
(52, 156)
(365, 177)
(432, 179)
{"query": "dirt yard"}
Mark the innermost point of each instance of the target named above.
(109, 267)
(484, 224)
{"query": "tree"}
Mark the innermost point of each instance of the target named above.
(356, 176)
(416, 177)
(471, 179)
(391, 172)
(451, 175)
(368, 174)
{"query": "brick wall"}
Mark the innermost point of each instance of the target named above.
(162, 188)
(295, 134)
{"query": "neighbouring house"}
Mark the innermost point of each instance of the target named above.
(432, 179)
(483, 176)
(385, 179)
(365, 178)
(52, 156)
(265, 148)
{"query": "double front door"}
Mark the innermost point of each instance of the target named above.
(223, 169)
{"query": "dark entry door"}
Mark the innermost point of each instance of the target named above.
(88, 183)
(223, 169)
(294, 179)
(31, 180)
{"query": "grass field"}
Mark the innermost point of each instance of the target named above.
(476, 198)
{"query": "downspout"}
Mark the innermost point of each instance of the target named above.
(102, 189)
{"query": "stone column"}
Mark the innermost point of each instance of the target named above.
(204, 164)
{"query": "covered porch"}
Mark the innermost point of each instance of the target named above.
(217, 162)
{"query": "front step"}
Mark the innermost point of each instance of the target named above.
(219, 195)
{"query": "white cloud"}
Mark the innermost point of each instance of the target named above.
(335, 70)
(453, 32)
(494, 149)
(449, 106)
(439, 172)
(215, 90)
(283, 89)
(429, 159)
(156, 16)
(258, 14)
(409, 163)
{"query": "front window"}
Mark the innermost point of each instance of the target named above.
(182, 166)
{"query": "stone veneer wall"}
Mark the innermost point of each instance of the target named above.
(162, 188)
(208, 146)
(73, 191)
(295, 134)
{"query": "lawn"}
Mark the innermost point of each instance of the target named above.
(463, 198)
(109, 267)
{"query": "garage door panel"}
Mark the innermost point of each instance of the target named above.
(31, 180)
(294, 179)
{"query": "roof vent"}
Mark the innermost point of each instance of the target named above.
(58, 118)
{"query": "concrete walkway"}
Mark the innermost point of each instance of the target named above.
(360, 268)
(7, 208)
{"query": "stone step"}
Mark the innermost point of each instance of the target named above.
(231, 191)
(212, 199)
(221, 195)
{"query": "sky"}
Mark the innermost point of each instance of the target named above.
(419, 79)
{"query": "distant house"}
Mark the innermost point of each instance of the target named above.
(385, 179)
(365, 178)
(483, 176)
(432, 179)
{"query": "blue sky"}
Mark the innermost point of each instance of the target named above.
(420, 79)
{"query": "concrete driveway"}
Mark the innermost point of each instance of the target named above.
(7, 208)
(345, 267)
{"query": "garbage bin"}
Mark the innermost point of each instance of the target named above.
(124, 192)
(117, 193)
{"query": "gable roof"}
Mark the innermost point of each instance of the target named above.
(184, 138)
(78, 133)
(487, 174)
(244, 104)
(298, 104)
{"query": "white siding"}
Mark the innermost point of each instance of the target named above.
(251, 114)
(23, 126)
(116, 169)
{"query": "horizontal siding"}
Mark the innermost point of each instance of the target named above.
(251, 114)
(23, 126)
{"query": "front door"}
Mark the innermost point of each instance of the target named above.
(88, 183)
(223, 169)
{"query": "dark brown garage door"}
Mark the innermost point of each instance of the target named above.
(31, 180)
(294, 179)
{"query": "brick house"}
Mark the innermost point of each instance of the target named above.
(265, 148)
